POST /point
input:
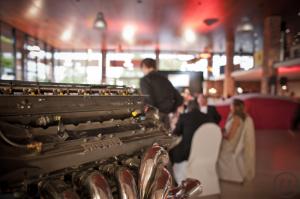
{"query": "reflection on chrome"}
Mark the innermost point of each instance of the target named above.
(57, 189)
(188, 188)
(162, 183)
(153, 157)
(96, 184)
(127, 185)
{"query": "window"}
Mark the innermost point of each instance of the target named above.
(78, 67)
(174, 61)
(38, 62)
(124, 68)
(7, 69)
(245, 62)
(20, 36)
(218, 61)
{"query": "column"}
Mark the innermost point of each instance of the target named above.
(209, 66)
(23, 70)
(228, 87)
(15, 71)
(103, 52)
(271, 53)
(52, 66)
(157, 57)
(208, 49)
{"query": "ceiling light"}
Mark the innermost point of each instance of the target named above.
(239, 90)
(100, 22)
(204, 55)
(128, 33)
(34, 9)
(287, 31)
(67, 34)
(189, 35)
(245, 25)
(212, 91)
(284, 87)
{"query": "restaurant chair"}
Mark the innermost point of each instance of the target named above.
(203, 158)
(240, 165)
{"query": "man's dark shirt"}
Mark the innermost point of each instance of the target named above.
(186, 126)
(161, 92)
(213, 114)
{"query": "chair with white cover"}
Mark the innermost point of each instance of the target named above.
(239, 166)
(202, 160)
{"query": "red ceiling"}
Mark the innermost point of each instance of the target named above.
(195, 12)
(157, 21)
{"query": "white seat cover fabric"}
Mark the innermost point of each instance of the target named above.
(240, 165)
(202, 160)
(180, 171)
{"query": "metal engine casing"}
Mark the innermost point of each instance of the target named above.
(56, 138)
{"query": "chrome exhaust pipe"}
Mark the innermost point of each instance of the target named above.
(96, 185)
(127, 185)
(56, 189)
(187, 189)
(162, 184)
(153, 157)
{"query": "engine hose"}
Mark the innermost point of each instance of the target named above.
(11, 142)
(37, 146)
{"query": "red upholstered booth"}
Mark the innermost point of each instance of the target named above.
(268, 112)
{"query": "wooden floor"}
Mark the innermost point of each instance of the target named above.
(277, 169)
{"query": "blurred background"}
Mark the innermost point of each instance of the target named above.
(239, 46)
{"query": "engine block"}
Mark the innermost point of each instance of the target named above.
(83, 141)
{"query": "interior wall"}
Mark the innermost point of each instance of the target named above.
(292, 86)
(249, 86)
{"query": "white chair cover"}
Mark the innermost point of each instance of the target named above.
(202, 160)
(180, 171)
(240, 165)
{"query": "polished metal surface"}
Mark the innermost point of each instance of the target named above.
(82, 141)
(96, 185)
(161, 184)
(188, 188)
(153, 157)
(127, 184)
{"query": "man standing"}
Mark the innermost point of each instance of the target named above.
(212, 113)
(159, 90)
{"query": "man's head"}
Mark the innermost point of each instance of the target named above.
(148, 65)
(202, 100)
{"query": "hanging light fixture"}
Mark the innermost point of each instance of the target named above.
(245, 25)
(100, 22)
(210, 21)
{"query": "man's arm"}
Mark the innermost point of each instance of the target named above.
(179, 126)
(216, 115)
(146, 90)
(178, 99)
